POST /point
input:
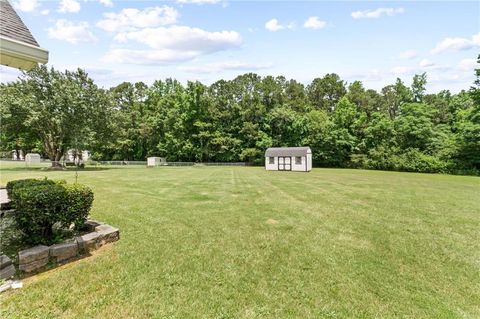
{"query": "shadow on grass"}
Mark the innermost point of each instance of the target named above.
(52, 266)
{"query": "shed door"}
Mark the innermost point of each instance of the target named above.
(284, 163)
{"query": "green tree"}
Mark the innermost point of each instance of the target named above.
(325, 92)
(418, 87)
(66, 109)
(395, 96)
(15, 134)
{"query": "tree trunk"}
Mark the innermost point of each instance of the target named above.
(56, 159)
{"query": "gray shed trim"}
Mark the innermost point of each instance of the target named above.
(11, 26)
(287, 151)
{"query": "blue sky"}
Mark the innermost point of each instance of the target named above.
(208, 40)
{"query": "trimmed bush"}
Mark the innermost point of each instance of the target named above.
(78, 203)
(27, 183)
(40, 207)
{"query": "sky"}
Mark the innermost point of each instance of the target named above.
(209, 40)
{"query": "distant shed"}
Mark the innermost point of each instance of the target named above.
(33, 158)
(156, 161)
(298, 159)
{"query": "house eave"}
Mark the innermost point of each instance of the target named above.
(21, 55)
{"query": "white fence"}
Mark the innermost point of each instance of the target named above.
(45, 162)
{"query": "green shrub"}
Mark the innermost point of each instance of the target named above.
(414, 160)
(27, 183)
(78, 203)
(40, 207)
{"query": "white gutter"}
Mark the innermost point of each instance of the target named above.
(21, 55)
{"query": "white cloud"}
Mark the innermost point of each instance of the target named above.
(198, 1)
(314, 23)
(402, 70)
(163, 56)
(377, 13)
(373, 75)
(274, 25)
(131, 19)
(183, 38)
(69, 6)
(45, 12)
(468, 64)
(106, 3)
(425, 63)
(224, 66)
(26, 5)
(172, 44)
(407, 55)
(71, 32)
(457, 44)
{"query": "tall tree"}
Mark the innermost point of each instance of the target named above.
(65, 109)
(418, 87)
(325, 92)
(395, 96)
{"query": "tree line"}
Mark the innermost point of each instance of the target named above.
(399, 127)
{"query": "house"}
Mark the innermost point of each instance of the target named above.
(76, 156)
(297, 159)
(18, 48)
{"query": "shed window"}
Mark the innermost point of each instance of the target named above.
(298, 160)
(271, 160)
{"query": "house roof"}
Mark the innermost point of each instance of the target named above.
(18, 48)
(11, 26)
(287, 151)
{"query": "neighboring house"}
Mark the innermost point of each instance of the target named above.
(297, 159)
(18, 48)
(77, 156)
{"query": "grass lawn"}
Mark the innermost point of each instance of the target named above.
(236, 242)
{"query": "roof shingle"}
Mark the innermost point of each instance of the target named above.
(287, 151)
(11, 26)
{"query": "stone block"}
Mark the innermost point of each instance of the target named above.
(7, 272)
(34, 265)
(88, 242)
(5, 261)
(6, 205)
(27, 256)
(91, 224)
(64, 251)
(108, 233)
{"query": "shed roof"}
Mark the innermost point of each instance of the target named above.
(288, 151)
(11, 26)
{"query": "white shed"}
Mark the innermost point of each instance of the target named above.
(156, 161)
(298, 159)
(32, 158)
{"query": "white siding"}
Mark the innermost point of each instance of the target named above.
(309, 162)
(304, 166)
(298, 167)
(271, 167)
